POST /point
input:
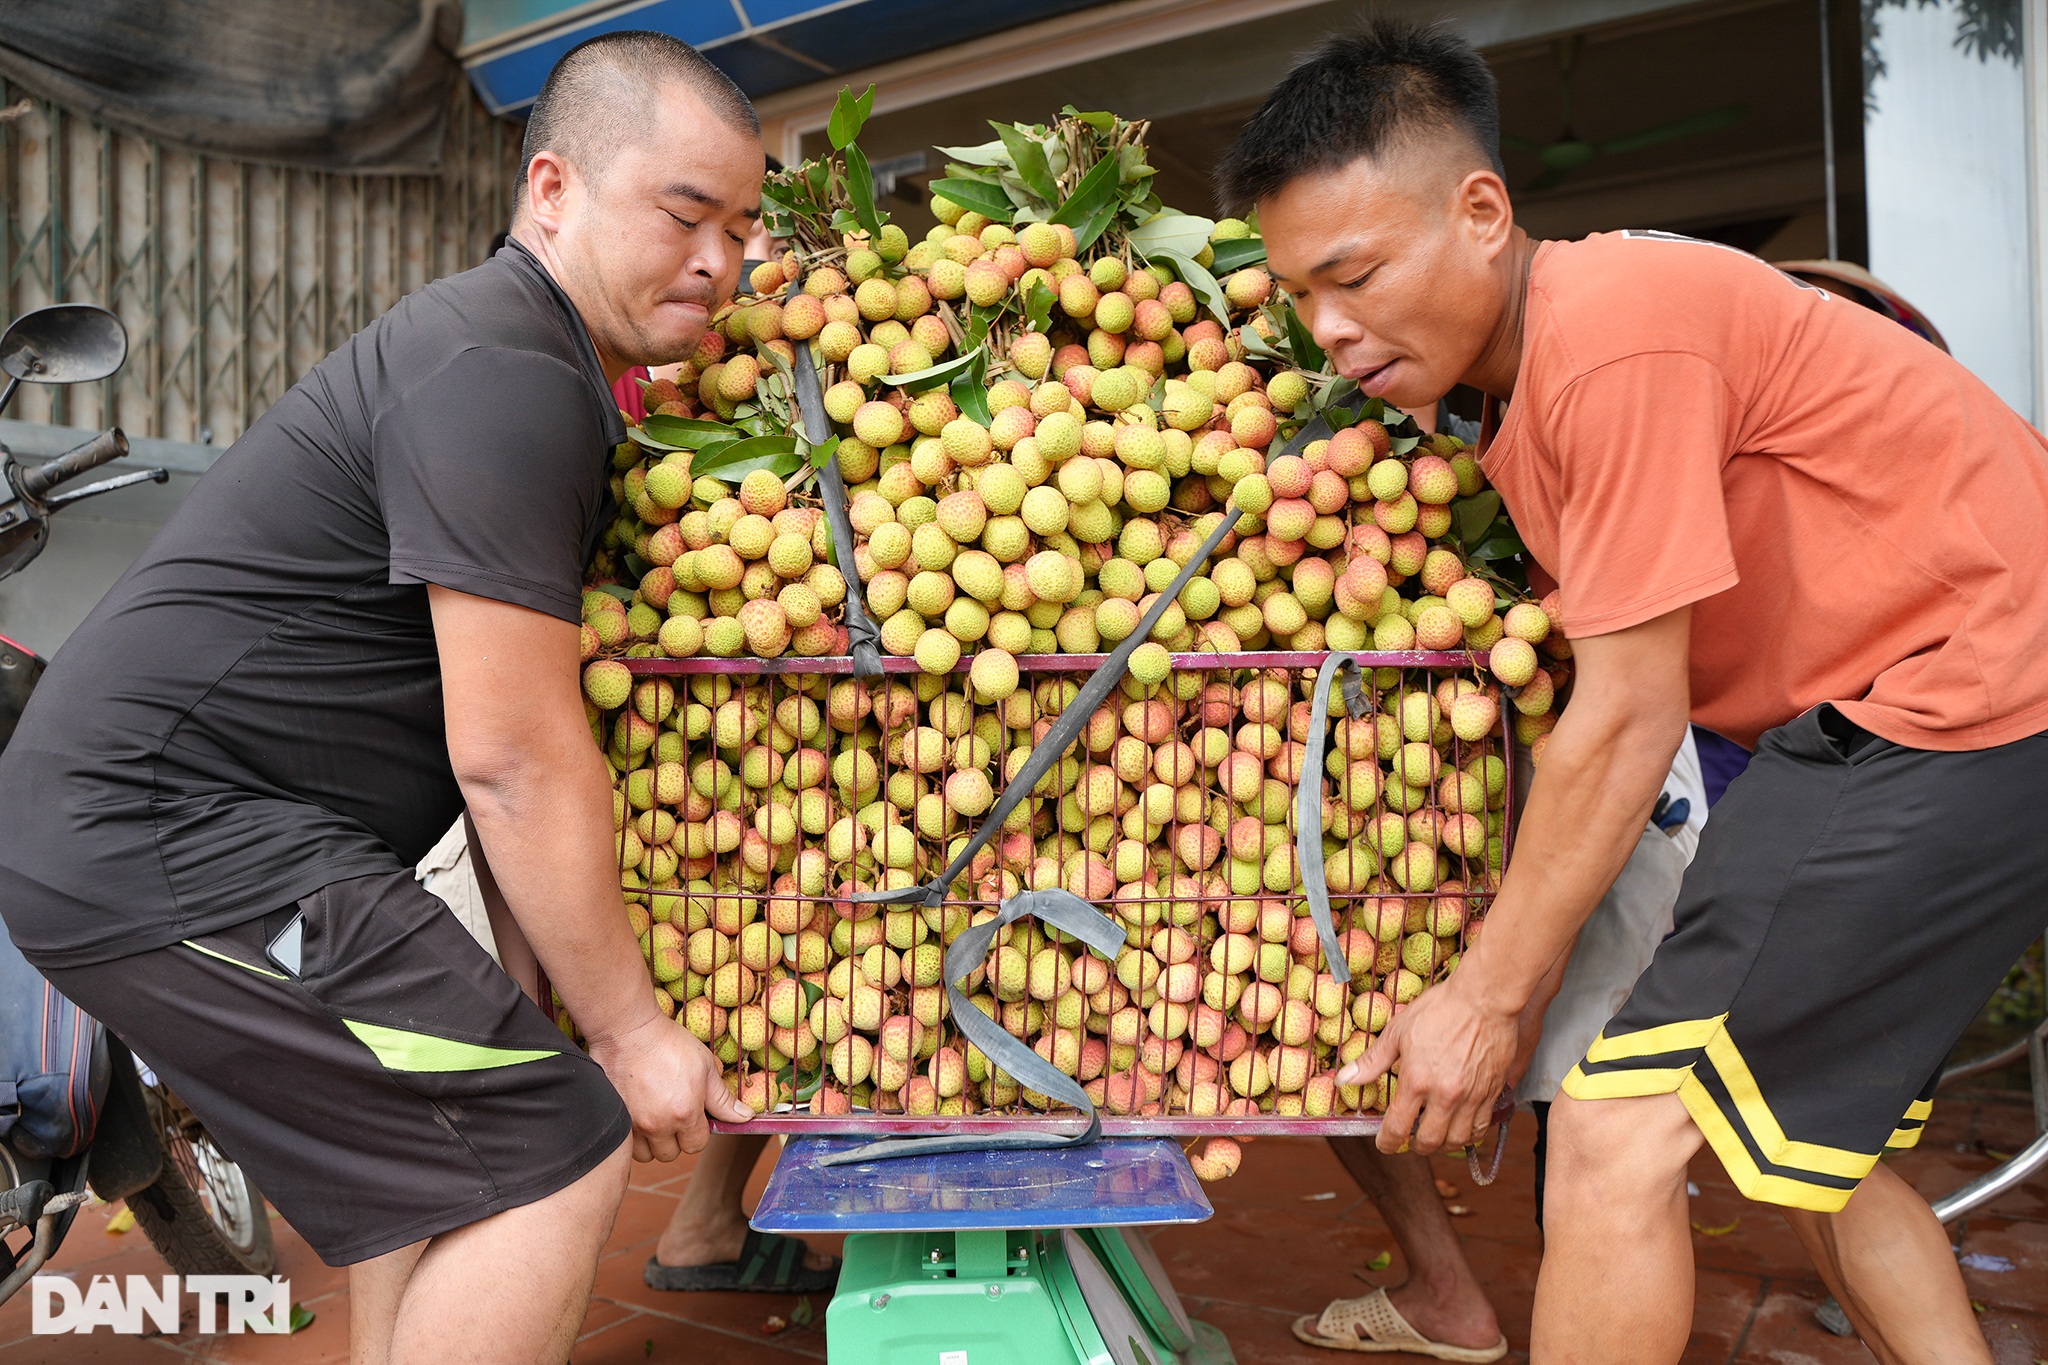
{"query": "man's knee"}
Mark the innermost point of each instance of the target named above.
(1641, 1142)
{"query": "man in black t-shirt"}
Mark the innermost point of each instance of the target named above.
(364, 619)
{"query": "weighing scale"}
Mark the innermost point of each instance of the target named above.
(1006, 1257)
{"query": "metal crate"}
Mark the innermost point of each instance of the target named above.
(787, 677)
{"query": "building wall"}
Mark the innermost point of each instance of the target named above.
(233, 278)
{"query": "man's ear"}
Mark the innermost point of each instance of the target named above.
(550, 183)
(1481, 205)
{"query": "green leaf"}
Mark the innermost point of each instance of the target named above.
(860, 187)
(848, 116)
(1101, 122)
(1380, 1262)
(1502, 544)
(813, 993)
(971, 397)
(983, 198)
(1474, 515)
(1038, 306)
(623, 594)
(821, 455)
(985, 154)
(802, 1314)
(1237, 254)
(1201, 281)
(684, 433)
(1028, 157)
(1307, 355)
(970, 388)
(301, 1318)
(1403, 444)
(639, 436)
(756, 452)
(1096, 191)
(942, 373)
(1172, 230)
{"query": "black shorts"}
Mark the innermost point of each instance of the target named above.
(400, 1087)
(1852, 906)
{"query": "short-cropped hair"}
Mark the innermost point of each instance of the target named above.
(605, 91)
(1359, 95)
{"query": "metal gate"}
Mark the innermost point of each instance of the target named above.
(234, 278)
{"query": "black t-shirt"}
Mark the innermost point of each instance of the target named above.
(255, 708)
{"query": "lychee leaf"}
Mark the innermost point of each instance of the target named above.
(860, 188)
(1201, 281)
(1028, 159)
(813, 993)
(1096, 191)
(821, 455)
(1237, 253)
(1307, 355)
(684, 433)
(984, 154)
(1101, 122)
(736, 459)
(970, 392)
(849, 114)
(978, 195)
(1502, 544)
(918, 381)
(1038, 304)
(1173, 230)
(1475, 514)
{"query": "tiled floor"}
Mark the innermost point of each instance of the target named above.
(1272, 1251)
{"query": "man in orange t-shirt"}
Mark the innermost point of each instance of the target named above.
(1766, 509)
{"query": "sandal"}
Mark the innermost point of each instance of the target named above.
(768, 1264)
(1374, 1324)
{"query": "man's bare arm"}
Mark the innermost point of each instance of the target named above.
(1605, 763)
(540, 802)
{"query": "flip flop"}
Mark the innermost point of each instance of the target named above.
(1373, 1324)
(767, 1264)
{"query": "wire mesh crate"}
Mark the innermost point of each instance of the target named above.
(760, 797)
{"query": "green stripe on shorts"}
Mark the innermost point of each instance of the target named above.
(403, 1050)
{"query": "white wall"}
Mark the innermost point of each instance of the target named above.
(1947, 172)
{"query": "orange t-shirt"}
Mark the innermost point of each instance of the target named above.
(1854, 517)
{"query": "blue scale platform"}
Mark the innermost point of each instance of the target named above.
(1118, 1182)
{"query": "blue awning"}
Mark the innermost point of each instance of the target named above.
(509, 46)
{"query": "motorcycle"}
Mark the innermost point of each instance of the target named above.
(77, 1110)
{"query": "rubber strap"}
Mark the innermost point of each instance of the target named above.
(1308, 801)
(1486, 1175)
(863, 638)
(1064, 911)
(1061, 736)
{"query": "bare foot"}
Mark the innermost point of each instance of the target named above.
(1455, 1319)
(694, 1243)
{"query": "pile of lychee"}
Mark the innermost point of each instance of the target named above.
(751, 808)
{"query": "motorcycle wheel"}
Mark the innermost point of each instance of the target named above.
(204, 1214)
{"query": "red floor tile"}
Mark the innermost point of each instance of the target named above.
(645, 1338)
(1269, 1254)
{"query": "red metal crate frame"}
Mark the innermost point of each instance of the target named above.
(1181, 1126)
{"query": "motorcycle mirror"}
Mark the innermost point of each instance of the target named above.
(65, 343)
